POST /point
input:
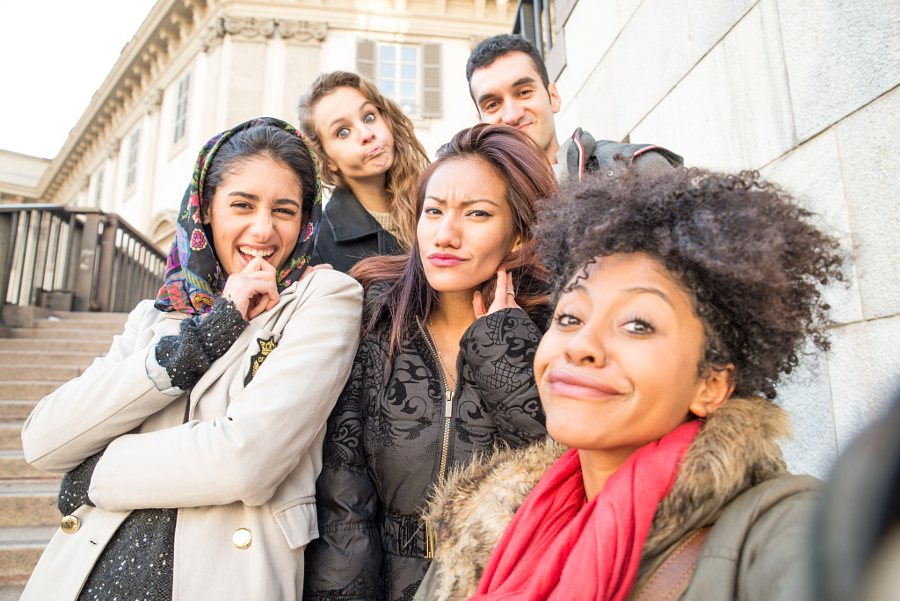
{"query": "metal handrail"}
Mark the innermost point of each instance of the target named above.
(96, 258)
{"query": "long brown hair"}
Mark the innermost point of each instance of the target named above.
(522, 166)
(410, 158)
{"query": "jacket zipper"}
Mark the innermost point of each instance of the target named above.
(430, 535)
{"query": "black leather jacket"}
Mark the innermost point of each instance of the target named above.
(388, 438)
(349, 233)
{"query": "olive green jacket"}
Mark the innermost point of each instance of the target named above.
(733, 477)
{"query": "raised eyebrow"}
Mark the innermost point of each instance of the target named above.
(648, 290)
(343, 120)
(339, 121)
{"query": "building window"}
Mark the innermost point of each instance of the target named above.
(407, 74)
(98, 191)
(398, 75)
(131, 174)
(181, 108)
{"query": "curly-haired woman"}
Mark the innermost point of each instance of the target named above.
(367, 150)
(681, 302)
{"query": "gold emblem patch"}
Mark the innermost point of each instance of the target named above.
(265, 347)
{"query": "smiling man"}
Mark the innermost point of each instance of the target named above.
(509, 83)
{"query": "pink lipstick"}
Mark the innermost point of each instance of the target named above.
(444, 260)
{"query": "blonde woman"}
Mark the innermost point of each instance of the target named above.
(367, 150)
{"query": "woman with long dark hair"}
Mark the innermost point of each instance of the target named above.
(368, 151)
(444, 370)
(192, 448)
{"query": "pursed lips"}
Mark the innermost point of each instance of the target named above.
(444, 260)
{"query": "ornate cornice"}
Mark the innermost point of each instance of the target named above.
(175, 30)
(301, 30)
(251, 28)
(154, 101)
(248, 27)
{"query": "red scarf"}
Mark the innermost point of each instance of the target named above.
(556, 547)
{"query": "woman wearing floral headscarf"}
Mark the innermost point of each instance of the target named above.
(193, 447)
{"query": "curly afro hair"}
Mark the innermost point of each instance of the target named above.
(747, 255)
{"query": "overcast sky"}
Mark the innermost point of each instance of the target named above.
(54, 54)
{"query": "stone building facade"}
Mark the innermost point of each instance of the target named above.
(808, 93)
(196, 67)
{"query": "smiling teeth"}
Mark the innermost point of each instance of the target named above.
(256, 253)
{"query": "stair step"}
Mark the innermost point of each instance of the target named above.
(42, 373)
(13, 467)
(45, 334)
(26, 390)
(16, 411)
(20, 549)
(80, 359)
(91, 316)
(10, 435)
(85, 346)
(29, 503)
(12, 589)
(113, 327)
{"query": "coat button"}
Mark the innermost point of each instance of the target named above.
(70, 524)
(242, 538)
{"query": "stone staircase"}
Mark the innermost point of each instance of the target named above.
(35, 361)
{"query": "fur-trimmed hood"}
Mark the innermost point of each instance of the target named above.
(736, 449)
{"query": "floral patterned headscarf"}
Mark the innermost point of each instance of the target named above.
(194, 277)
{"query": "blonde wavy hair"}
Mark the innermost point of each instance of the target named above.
(410, 159)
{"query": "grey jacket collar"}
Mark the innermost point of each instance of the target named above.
(347, 218)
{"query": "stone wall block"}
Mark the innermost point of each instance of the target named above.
(812, 173)
(597, 104)
(732, 110)
(839, 55)
(567, 92)
(867, 143)
(864, 368)
(652, 53)
(806, 395)
(589, 33)
(710, 21)
(566, 122)
(626, 10)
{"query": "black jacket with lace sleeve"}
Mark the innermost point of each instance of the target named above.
(387, 442)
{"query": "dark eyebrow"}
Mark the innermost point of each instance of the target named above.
(645, 290)
(246, 195)
(523, 80)
(519, 82)
(287, 201)
(464, 203)
(636, 290)
(254, 197)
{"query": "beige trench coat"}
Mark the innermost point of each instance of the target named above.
(247, 458)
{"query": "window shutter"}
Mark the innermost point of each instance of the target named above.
(365, 59)
(431, 80)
